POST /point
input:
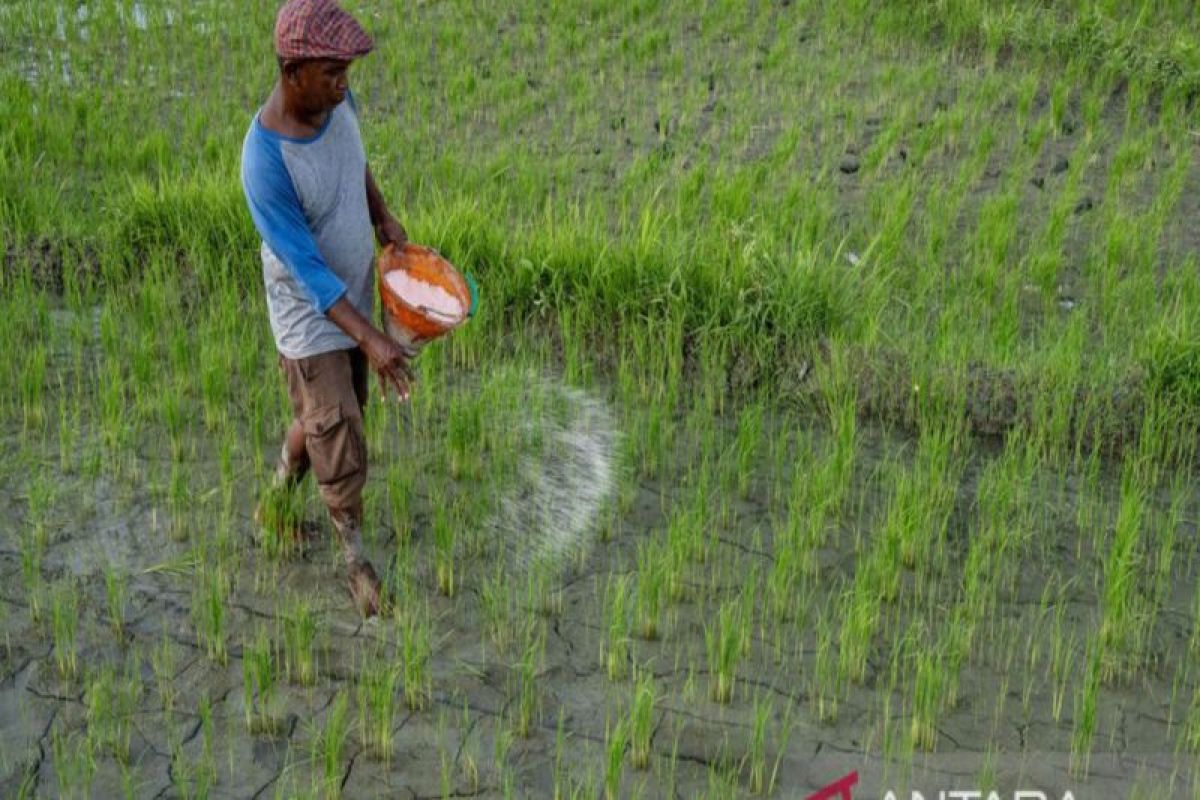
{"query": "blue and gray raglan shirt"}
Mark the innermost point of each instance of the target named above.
(308, 198)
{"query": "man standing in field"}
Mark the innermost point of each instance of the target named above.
(313, 200)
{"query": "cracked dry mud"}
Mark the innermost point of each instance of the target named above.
(1003, 725)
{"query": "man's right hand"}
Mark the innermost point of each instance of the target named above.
(385, 354)
(390, 361)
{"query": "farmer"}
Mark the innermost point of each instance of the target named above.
(319, 213)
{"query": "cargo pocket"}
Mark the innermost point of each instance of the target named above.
(332, 445)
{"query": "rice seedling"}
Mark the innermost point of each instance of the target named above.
(723, 644)
(300, 629)
(928, 694)
(615, 738)
(641, 720)
(259, 667)
(756, 753)
(376, 692)
(32, 551)
(112, 699)
(1085, 699)
(542, 593)
(416, 649)
(650, 590)
(826, 677)
(444, 536)
(328, 748)
(208, 611)
(74, 763)
(115, 591)
(614, 651)
(468, 763)
(164, 663)
(528, 708)
(745, 449)
(1123, 625)
(64, 616)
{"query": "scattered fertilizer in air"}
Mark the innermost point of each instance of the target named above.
(563, 484)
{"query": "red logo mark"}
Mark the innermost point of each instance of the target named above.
(839, 788)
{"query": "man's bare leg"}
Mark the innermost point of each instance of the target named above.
(364, 583)
(293, 458)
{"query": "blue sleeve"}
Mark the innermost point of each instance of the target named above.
(279, 218)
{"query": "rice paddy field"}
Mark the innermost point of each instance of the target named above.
(831, 407)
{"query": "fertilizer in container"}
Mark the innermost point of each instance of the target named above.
(436, 301)
(424, 296)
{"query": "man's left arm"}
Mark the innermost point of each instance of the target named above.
(388, 229)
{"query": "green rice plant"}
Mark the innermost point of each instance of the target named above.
(205, 775)
(672, 558)
(468, 762)
(785, 734)
(528, 697)
(208, 612)
(464, 435)
(923, 504)
(416, 650)
(747, 602)
(499, 609)
(1086, 696)
(116, 591)
(542, 591)
(860, 615)
(444, 535)
(1122, 629)
(31, 386)
(399, 492)
(164, 663)
(328, 747)
(179, 500)
(641, 720)
(32, 550)
(69, 425)
(112, 699)
(756, 749)
(723, 643)
(376, 691)
(784, 579)
(826, 675)
(64, 615)
(74, 763)
(1190, 730)
(301, 628)
(259, 666)
(614, 651)
(615, 738)
(744, 452)
(280, 514)
(928, 696)
(651, 587)
(501, 746)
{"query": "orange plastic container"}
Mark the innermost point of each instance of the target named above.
(408, 321)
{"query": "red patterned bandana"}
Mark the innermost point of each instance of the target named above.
(319, 29)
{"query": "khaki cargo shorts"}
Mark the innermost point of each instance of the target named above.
(328, 393)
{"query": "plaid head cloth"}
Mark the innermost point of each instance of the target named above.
(319, 29)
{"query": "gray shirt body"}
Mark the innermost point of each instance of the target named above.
(308, 198)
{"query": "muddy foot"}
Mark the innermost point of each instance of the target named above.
(365, 588)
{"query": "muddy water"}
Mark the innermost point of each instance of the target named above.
(1003, 730)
